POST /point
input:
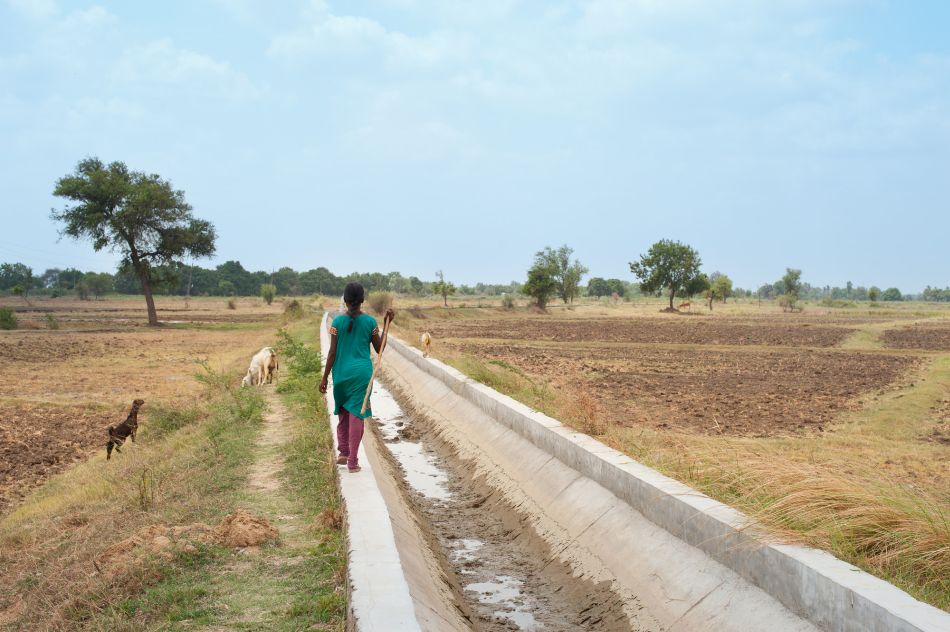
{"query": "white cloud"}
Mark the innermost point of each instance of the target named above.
(34, 9)
(330, 35)
(162, 64)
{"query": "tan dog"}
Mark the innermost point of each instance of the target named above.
(426, 341)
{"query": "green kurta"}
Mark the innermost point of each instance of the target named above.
(352, 368)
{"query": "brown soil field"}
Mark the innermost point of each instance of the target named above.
(39, 440)
(60, 389)
(932, 337)
(711, 391)
(673, 330)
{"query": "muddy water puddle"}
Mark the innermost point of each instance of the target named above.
(505, 583)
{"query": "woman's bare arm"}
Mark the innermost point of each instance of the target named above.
(331, 357)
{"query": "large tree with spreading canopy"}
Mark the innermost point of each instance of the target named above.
(140, 216)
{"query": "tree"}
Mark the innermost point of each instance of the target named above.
(136, 214)
(287, 281)
(567, 274)
(874, 293)
(267, 292)
(443, 288)
(416, 286)
(98, 283)
(892, 294)
(791, 282)
(668, 265)
(16, 274)
(720, 286)
(50, 278)
(597, 286)
(542, 282)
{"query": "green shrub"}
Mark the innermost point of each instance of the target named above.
(232, 304)
(7, 318)
(268, 292)
(508, 301)
(51, 322)
(302, 361)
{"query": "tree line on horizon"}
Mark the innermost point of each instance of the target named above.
(149, 224)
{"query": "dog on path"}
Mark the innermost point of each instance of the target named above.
(426, 341)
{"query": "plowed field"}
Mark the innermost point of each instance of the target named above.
(674, 330)
(736, 392)
(38, 440)
(61, 389)
(932, 337)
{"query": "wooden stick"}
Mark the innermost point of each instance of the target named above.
(379, 359)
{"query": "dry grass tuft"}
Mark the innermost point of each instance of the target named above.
(330, 518)
(886, 527)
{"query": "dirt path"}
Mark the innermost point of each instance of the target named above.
(252, 591)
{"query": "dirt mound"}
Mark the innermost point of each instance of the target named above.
(243, 528)
(240, 529)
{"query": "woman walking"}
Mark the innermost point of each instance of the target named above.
(350, 336)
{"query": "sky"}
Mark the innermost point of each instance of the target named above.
(425, 135)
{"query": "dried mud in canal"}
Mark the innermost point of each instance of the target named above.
(499, 568)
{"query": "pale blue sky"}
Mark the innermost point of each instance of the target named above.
(415, 135)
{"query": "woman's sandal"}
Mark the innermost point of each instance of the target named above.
(354, 470)
(341, 460)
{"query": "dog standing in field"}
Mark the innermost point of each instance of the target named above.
(426, 341)
(118, 434)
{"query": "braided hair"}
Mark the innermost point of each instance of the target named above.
(353, 296)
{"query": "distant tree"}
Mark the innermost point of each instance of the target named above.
(542, 281)
(568, 273)
(268, 291)
(935, 294)
(721, 287)
(139, 215)
(242, 282)
(849, 288)
(287, 281)
(668, 265)
(874, 293)
(50, 278)
(16, 274)
(226, 288)
(791, 282)
(416, 286)
(321, 281)
(443, 288)
(892, 294)
(68, 278)
(597, 286)
(98, 283)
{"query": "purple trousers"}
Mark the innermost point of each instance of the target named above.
(349, 433)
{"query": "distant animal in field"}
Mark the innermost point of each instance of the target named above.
(264, 368)
(426, 340)
(118, 434)
(685, 305)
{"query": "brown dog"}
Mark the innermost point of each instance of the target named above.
(118, 434)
